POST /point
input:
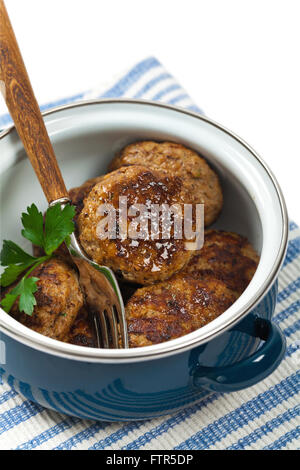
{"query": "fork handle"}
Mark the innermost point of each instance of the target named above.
(23, 107)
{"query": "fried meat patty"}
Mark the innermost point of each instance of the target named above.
(78, 194)
(82, 332)
(226, 256)
(174, 308)
(143, 261)
(200, 180)
(58, 300)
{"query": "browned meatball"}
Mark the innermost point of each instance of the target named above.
(225, 256)
(143, 261)
(82, 332)
(174, 308)
(78, 194)
(59, 299)
(200, 180)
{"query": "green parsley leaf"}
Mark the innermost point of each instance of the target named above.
(68, 240)
(13, 254)
(58, 226)
(12, 272)
(27, 300)
(33, 223)
(25, 290)
(8, 301)
(50, 235)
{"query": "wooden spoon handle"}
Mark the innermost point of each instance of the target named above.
(23, 107)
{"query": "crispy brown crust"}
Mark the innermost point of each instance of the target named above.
(59, 299)
(226, 256)
(140, 261)
(82, 332)
(78, 194)
(200, 180)
(174, 308)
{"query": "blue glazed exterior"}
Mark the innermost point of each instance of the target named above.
(142, 390)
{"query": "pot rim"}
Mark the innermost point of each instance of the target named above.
(178, 345)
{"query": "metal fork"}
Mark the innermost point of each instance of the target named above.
(98, 282)
(103, 297)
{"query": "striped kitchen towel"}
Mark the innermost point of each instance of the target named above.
(265, 416)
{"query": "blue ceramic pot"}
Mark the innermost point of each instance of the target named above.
(238, 349)
(238, 358)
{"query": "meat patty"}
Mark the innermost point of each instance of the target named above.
(200, 180)
(174, 308)
(226, 256)
(59, 299)
(143, 261)
(82, 332)
(78, 194)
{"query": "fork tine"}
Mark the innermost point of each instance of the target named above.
(113, 327)
(100, 283)
(103, 330)
(97, 330)
(123, 326)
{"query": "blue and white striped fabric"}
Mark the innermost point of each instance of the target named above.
(265, 416)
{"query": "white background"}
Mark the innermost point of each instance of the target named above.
(238, 59)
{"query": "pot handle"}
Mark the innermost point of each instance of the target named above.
(250, 370)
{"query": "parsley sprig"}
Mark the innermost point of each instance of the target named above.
(48, 234)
